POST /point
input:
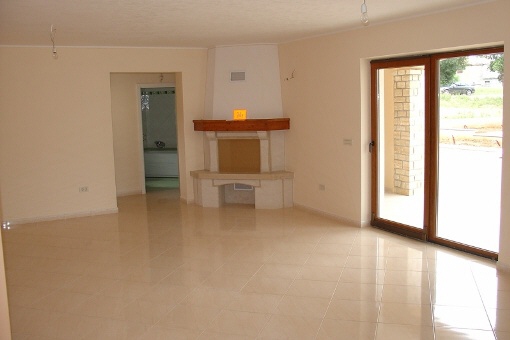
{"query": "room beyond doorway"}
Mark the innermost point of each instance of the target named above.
(159, 136)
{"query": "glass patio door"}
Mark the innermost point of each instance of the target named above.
(437, 148)
(469, 151)
(400, 91)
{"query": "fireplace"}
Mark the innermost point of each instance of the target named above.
(244, 162)
(239, 155)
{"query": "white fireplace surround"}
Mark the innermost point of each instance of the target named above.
(272, 185)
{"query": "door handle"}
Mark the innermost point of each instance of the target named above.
(371, 146)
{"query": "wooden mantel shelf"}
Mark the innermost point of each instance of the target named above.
(243, 125)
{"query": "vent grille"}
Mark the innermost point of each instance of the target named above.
(237, 76)
(244, 187)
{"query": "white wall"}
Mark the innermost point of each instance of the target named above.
(260, 93)
(56, 125)
(329, 100)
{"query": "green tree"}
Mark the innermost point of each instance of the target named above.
(497, 64)
(448, 69)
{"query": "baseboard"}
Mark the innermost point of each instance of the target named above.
(347, 221)
(185, 200)
(63, 216)
(129, 193)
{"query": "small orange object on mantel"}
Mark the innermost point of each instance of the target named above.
(243, 125)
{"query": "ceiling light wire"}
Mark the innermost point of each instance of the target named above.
(364, 14)
(53, 31)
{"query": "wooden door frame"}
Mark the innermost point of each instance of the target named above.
(380, 222)
(431, 62)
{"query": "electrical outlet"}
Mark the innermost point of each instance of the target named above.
(322, 187)
(83, 189)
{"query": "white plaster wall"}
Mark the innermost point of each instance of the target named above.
(56, 125)
(329, 100)
(260, 93)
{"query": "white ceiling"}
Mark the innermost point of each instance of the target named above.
(195, 23)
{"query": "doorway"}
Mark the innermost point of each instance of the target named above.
(436, 150)
(159, 136)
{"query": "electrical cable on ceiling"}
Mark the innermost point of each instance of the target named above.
(364, 14)
(53, 31)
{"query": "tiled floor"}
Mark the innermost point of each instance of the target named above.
(161, 269)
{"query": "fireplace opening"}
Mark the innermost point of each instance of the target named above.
(237, 193)
(239, 155)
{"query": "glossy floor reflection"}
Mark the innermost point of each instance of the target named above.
(161, 269)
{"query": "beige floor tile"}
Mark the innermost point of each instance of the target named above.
(340, 236)
(218, 280)
(167, 294)
(363, 275)
(346, 330)
(333, 249)
(408, 264)
(405, 313)
(161, 269)
(60, 301)
(162, 333)
(303, 306)
(368, 250)
(77, 326)
(366, 262)
(148, 274)
(404, 332)
(184, 277)
(205, 296)
(462, 317)
(190, 317)
(292, 258)
(102, 307)
(310, 288)
(406, 278)
(326, 260)
(211, 335)
(111, 329)
(350, 310)
(283, 271)
(290, 327)
(416, 251)
(291, 247)
(406, 294)
(26, 296)
(254, 302)
(463, 333)
(239, 323)
(241, 268)
(320, 273)
(145, 311)
(456, 296)
(34, 322)
(358, 291)
(267, 285)
(128, 291)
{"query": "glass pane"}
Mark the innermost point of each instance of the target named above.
(401, 144)
(470, 129)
